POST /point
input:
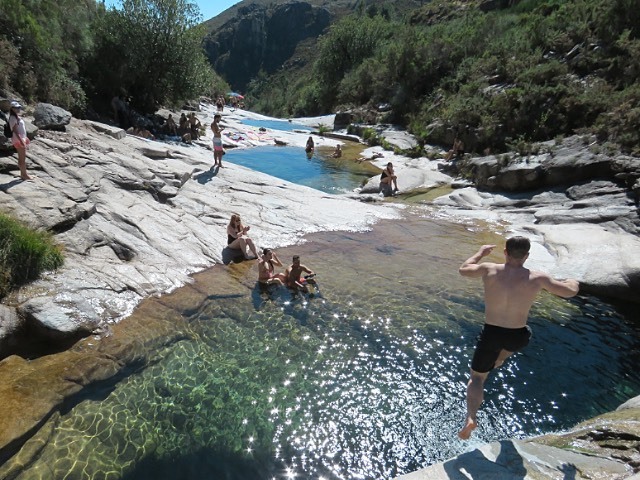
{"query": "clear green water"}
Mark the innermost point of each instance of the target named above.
(365, 381)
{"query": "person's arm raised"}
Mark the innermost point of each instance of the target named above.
(563, 288)
(471, 267)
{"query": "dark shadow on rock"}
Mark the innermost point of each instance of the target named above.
(509, 465)
(232, 255)
(569, 470)
(6, 186)
(205, 177)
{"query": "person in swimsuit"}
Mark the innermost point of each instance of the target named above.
(237, 237)
(293, 275)
(509, 291)
(266, 269)
(387, 178)
(218, 151)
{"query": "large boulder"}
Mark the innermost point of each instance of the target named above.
(57, 323)
(342, 120)
(50, 117)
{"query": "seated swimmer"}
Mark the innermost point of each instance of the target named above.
(293, 275)
(338, 152)
(266, 269)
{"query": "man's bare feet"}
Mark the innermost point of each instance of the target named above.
(26, 177)
(470, 426)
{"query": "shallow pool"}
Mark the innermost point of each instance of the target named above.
(319, 171)
(365, 381)
(276, 125)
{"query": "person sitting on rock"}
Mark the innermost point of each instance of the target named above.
(170, 126)
(266, 269)
(293, 275)
(387, 178)
(457, 149)
(237, 237)
(194, 126)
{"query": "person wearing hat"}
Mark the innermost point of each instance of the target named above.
(19, 138)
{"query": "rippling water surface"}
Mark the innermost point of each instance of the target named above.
(365, 381)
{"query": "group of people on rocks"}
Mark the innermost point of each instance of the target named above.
(238, 238)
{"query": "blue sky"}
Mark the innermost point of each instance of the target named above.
(208, 8)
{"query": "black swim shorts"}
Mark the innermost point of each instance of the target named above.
(493, 340)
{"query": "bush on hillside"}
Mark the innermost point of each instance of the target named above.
(24, 254)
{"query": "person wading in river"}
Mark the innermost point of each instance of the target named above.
(509, 292)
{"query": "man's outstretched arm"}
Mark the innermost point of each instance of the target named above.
(563, 288)
(471, 267)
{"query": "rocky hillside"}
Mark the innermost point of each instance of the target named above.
(260, 35)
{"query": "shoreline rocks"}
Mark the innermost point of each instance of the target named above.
(138, 217)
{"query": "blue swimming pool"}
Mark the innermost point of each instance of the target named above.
(292, 164)
(276, 125)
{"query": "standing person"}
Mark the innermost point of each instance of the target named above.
(218, 151)
(266, 269)
(237, 237)
(293, 275)
(509, 291)
(387, 178)
(19, 138)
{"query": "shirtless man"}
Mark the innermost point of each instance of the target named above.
(293, 275)
(509, 291)
(266, 269)
(217, 141)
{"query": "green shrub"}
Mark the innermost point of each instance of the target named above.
(24, 254)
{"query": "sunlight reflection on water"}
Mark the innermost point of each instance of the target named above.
(365, 381)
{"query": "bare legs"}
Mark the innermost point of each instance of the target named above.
(22, 163)
(475, 396)
(241, 244)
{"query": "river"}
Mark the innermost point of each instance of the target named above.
(364, 381)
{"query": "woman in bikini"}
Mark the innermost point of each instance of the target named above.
(266, 269)
(237, 237)
(387, 178)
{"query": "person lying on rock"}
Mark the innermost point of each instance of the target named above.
(509, 291)
(237, 237)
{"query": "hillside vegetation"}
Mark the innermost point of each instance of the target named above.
(534, 71)
(77, 54)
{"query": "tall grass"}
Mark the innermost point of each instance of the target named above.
(24, 254)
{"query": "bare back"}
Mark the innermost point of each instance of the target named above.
(509, 292)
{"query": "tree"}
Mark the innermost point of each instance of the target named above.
(150, 51)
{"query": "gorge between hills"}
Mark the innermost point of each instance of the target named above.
(150, 353)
